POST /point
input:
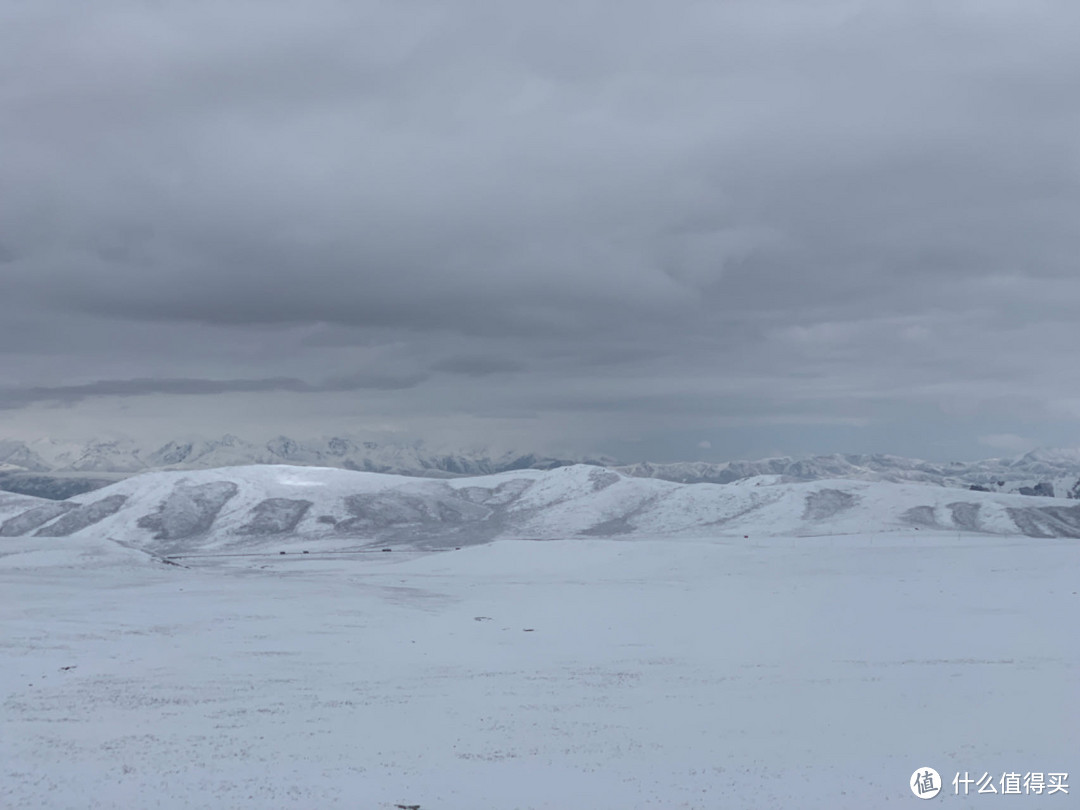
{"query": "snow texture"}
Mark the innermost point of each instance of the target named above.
(645, 672)
(34, 517)
(827, 503)
(275, 516)
(1050, 521)
(82, 517)
(189, 509)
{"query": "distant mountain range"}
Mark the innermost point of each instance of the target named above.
(1048, 472)
(55, 469)
(59, 470)
(127, 456)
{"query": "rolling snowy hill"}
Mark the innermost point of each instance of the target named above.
(288, 508)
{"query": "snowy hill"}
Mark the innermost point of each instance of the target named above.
(256, 509)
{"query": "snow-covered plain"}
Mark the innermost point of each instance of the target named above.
(617, 667)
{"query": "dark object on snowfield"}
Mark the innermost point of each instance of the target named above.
(306, 552)
(407, 806)
(387, 549)
(65, 669)
(978, 488)
(746, 537)
(457, 548)
(528, 630)
(281, 552)
(1043, 488)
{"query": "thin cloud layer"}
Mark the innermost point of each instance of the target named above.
(621, 225)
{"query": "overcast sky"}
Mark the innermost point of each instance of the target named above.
(665, 230)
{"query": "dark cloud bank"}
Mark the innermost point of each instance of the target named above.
(636, 227)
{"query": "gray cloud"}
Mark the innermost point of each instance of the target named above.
(476, 365)
(661, 219)
(71, 394)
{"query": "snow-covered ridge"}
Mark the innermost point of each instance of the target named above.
(193, 453)
(1055, 473)
(1040, 472)
(290, 508)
